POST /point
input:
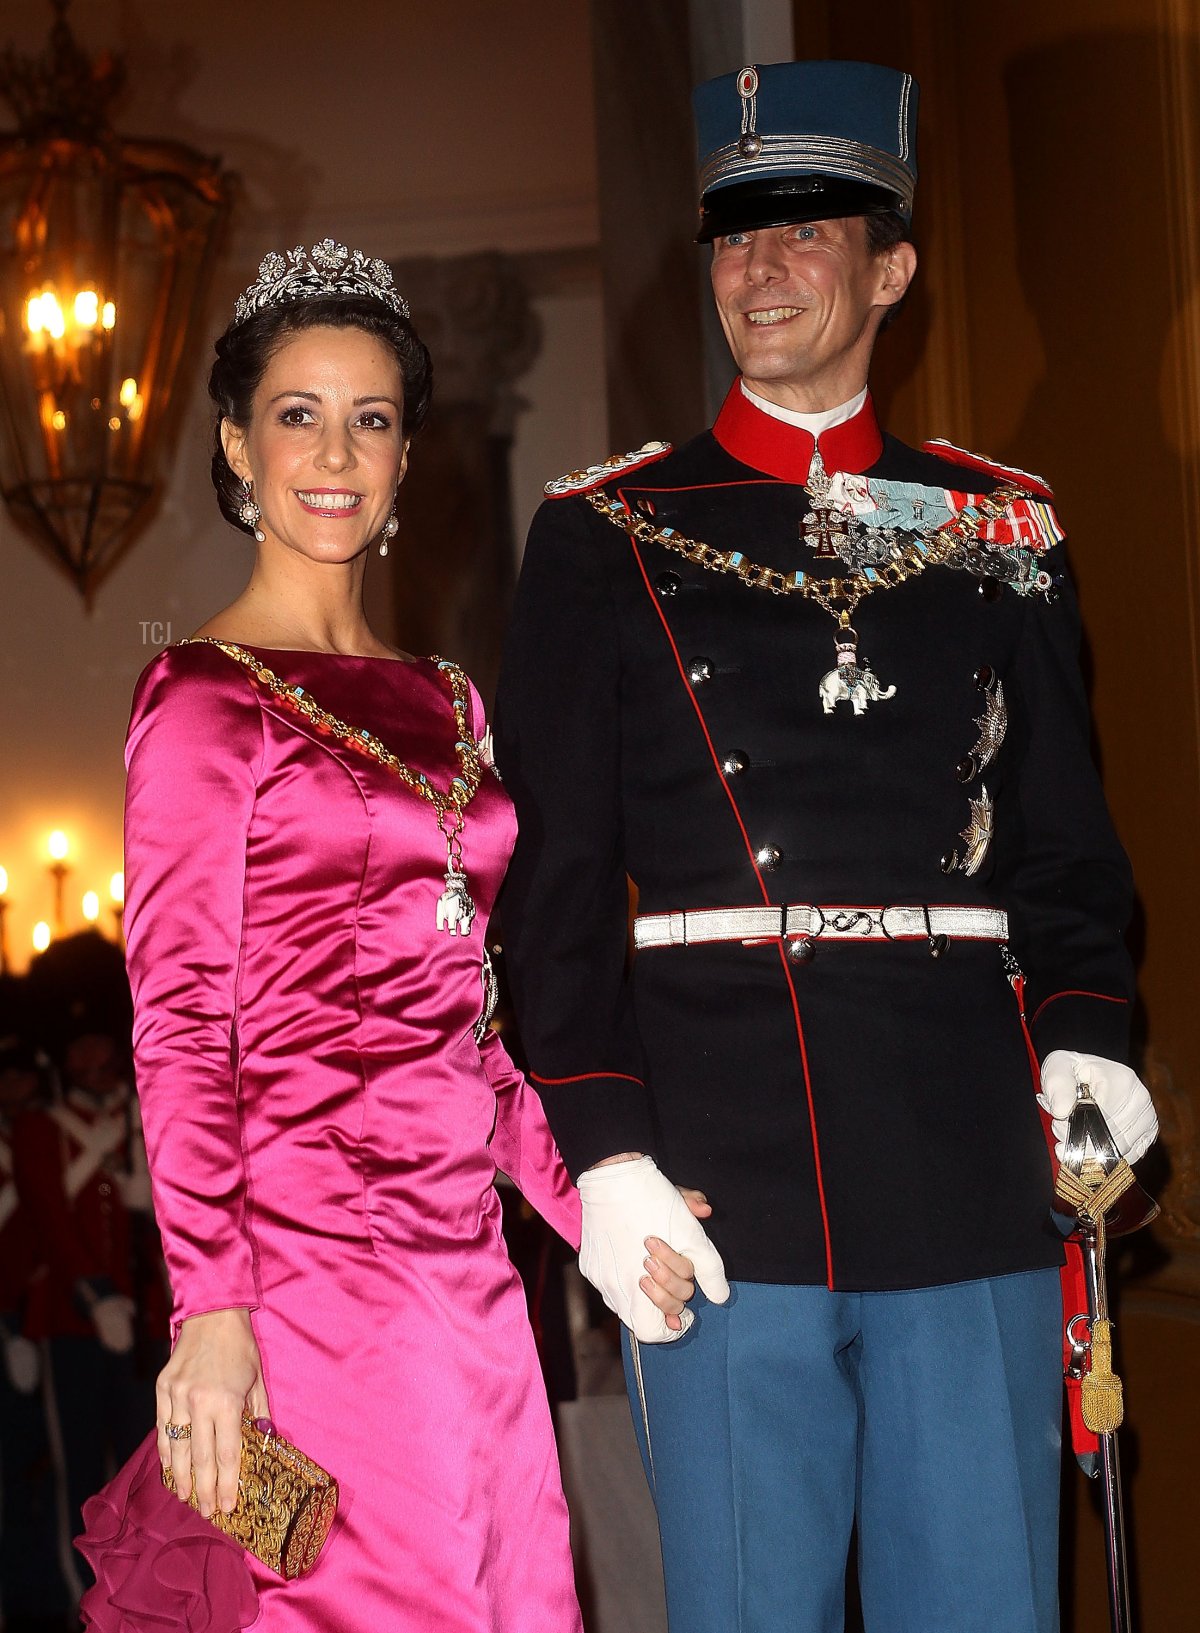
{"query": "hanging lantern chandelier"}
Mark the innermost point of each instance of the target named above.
(106, 244)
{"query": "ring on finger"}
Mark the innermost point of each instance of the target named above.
(179, 1431)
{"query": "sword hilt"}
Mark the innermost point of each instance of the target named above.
(1095, 1184)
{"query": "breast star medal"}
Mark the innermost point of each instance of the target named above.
(976, 838)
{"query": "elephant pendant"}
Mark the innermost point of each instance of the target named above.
(455, 909)
(852, 681)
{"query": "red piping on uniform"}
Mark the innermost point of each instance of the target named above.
(812, 1115)
(704, 487)
(583, 1077)
(1102, 997)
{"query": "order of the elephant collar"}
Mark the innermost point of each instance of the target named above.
(785, 451)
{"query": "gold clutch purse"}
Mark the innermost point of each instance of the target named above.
(286, 1502)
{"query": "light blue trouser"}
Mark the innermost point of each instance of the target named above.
(933, 1416)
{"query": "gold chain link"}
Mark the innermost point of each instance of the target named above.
(913, 559)
(462, 789)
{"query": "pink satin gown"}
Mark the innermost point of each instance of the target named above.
(324, 1131)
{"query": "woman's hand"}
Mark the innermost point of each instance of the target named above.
(670, 1279)
(213, 1375)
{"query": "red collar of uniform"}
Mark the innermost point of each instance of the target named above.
(786, 451)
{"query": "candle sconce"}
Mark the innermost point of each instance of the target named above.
(58, 845)
(61, 863)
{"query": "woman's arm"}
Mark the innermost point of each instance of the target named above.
(194, 754)
(524, 1147)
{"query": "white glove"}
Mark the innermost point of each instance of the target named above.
(1122, 1097)
(22, 1363)
(623, 1204)
(113, 1320)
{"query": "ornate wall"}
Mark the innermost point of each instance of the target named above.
(455, 557)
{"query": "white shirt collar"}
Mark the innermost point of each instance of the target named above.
(814, 424)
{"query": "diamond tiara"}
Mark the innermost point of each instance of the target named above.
(328, 268)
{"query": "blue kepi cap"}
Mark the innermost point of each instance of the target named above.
(804, 141)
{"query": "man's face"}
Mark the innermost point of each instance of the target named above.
(801, 306)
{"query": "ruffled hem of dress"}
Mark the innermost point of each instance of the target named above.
(159, 1566)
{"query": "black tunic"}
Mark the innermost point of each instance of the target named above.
(866, 1119)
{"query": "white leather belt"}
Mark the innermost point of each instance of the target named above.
(695, 927)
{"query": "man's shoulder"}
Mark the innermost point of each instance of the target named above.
(589, 478)
(655, 465)
(944, 464)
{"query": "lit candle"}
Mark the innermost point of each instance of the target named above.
(91, 906)
(41, 936)
(58, 845)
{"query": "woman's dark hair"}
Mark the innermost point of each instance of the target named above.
(245, 349)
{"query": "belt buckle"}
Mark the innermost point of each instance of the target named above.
(852, 921)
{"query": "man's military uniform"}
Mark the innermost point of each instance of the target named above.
(819, 701)
(854, 1096)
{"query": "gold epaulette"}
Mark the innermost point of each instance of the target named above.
(615, 465)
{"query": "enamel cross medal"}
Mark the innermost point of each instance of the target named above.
(822, 527)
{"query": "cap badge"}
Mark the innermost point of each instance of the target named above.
(750, 142)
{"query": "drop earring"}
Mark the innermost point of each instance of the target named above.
(390, 528)
(248, 512)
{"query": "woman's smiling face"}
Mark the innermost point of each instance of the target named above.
(324, 447)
